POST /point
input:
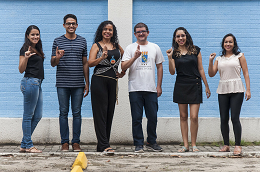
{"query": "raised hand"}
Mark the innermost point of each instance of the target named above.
(59, 53)
(137, 52)
(104, 55)
(29, 53)
(169, 53)
(212, 56)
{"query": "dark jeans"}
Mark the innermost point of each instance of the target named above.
(233, 102)
(64, 95)
(148, 101)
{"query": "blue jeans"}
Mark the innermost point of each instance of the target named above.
(32, 93)
(148, 101)
(64, 95)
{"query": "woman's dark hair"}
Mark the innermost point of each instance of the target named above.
(28, 43)
(235, 50)
(189, 43)
(98, 35)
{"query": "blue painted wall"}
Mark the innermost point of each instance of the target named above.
(16, 16)
(207, 22)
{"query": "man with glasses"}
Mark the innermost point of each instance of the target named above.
(141, 58)
(69, 54)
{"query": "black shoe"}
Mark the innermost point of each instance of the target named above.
(139, 149)
(155, 147)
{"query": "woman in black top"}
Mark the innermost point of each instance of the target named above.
(31, 61)
(105, 55)
(187, 60)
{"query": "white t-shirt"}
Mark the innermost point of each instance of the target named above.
(142, 72)
(229, 70)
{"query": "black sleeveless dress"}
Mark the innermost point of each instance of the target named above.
(188, 87)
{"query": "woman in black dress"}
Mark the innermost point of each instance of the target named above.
(105, 55)
(187, 60)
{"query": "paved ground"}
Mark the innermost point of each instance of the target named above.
(208, 159)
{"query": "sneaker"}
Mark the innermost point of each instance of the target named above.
(65, 147)
(155, 147)
(76, 147)
(139, 149)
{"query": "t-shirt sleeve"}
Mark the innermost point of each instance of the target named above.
(85, 51)
(54, 46)
(127, 54)
(159, 55)
(22, 52)
(197, 49)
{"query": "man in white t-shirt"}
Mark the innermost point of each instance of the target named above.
(141, 58)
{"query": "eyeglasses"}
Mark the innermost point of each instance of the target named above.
(182, 35)
(141, 31)
(73, 24)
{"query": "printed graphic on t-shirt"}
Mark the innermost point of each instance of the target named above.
(144, 62)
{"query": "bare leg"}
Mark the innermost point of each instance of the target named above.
(183, 108)
(194, 111)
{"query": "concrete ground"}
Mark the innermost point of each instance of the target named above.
(52, 160)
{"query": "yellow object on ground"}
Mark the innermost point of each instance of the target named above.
(77, 169)
(81, 161)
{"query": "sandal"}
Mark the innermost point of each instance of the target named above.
(22, 150)
(183, 149)
(109, 151)
(33, 150)
(237, 150)
(225, 148)
(195, 149)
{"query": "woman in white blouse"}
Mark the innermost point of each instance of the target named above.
(230, 89)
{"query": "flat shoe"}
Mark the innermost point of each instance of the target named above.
(195, 149)
(237, 150)
(109, 151)
(183, 149)
(22, 150)
(225, 148)
(33, 150)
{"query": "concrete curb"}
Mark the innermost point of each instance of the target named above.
(252, 154)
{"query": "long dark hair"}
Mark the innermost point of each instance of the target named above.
(235, 50)
(99, 37)
(189, 43)
(27, 42)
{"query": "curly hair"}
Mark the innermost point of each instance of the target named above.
(28, 43)
(98, 35)
(235, 50)
(189, 43)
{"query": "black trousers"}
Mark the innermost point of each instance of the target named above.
(103, 98)
(232, 101)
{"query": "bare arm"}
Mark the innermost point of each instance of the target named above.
(171, 61)
(243, 64)
(126, 64)
(202, 74)
(159, 79)
(212, 69)
(122, 74)
(93, 60)
(23, 60)
(86, 75)
(56, 59)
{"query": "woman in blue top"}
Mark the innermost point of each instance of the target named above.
(105, 55)
(187, 60)
(31, 62)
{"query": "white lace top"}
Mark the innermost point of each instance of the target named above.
(229, 70)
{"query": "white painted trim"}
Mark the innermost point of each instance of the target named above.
(168, 130)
